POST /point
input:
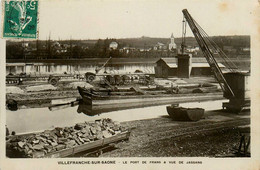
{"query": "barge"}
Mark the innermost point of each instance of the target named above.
(92, 97)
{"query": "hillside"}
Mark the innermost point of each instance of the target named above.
(52, 49)
(243, 41)
(235, 41)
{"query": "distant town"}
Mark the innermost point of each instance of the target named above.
(143, 47)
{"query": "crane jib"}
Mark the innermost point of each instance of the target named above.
(207, 54)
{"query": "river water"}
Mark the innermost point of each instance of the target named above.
(115, 65)
(39, 119)
(50, 68)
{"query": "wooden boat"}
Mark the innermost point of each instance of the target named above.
(108, 99)
(88, 95)
(185, 114)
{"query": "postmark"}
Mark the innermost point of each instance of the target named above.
(20, 19)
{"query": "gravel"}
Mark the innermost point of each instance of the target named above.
(14, 90)
(161, 137)
(40, 88)
(74, 85)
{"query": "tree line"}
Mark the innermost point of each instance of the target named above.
(127, 48)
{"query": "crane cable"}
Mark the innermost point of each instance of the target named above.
(220, 53)
(231, 65)
(184, 24)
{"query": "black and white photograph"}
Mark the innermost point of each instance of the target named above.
(129, 82)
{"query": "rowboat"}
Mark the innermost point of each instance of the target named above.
(185, 114)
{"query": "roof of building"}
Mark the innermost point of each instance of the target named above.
(160, 44)
(205, 65)
(168, 60)
(172, 65)
(15, 64)
(113, 43)
(199, 60)
(196, 62)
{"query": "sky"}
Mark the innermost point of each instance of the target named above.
(93, 19)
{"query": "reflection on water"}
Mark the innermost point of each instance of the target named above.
(39, 119)
(89, 109)
(50, 68)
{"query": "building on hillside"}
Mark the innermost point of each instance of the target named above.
(25, 44)
(113, 45)
(168, 67)
(245, 49)
(56, 44)
(172, 45)
(192, 49)
(169, 46)
(160, 46)
(229, 49)
(144, 49)
(127, 49)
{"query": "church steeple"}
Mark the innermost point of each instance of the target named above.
(172, 39)
(172, 45)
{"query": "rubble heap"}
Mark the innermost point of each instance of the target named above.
(39, 144)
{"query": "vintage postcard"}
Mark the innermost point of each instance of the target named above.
(130, 84)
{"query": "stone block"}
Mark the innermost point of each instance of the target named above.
(38, 154)
(79, 126)
(21, 144)
(38, 147)
(106, 134)
(60, 147)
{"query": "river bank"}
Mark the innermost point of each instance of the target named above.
(216, 135)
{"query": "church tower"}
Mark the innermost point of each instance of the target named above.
(172, 45)
(172, 39)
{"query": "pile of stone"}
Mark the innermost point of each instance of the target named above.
(49, 141)
(40, 88)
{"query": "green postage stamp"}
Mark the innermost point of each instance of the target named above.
(20, 19)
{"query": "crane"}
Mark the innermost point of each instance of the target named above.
(91, 76)
(235, 83)
(100, 68)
